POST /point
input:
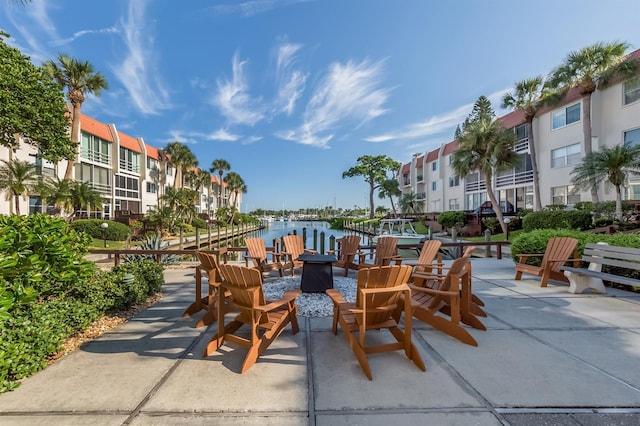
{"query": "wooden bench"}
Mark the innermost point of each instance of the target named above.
(598, 254)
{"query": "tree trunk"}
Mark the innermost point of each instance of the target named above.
(16, 198)
(371, 191)
(75, 134)
(494, 204)
(619, 203)
(393, 207)
(534, 166)
(586, 130)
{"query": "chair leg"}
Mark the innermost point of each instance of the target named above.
(411, 351)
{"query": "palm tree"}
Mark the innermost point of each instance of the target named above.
(389, 189)
(57, 192)
(236, 185)
(613, 165)
(484, 145)
(410, 204)
(17, 178)
(587, 69)
(529, 96)
(182, 159)
(79, 78)
(220, 166)
(85, 196)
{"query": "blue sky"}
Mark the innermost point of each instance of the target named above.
(292, 92)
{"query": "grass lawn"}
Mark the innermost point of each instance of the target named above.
(98, 243)
(498, 237)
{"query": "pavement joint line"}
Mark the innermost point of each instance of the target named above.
(138, 409)
(568, 410)
(574, 357)
(311, 406)
(458, 378)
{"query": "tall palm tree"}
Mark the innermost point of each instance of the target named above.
(220, 166)
(57, 192)
(613, 165)
(389, 189)
(71, 196)
(529, 96)
(17, 178)
(182, 159)
(236, 185)
(484, 145)
(587, 69)
(85, 196)
(78, 78)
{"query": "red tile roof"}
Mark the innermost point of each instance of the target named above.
(96, 128)
(419, 161)
(152, 152)
(406, 168)
(450, 148)
(433, 155)
(129, 142)
(513, 119)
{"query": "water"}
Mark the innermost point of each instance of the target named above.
(279, 229)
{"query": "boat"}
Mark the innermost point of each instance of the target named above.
(400, 228)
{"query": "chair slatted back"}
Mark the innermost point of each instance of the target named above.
(428, 254)
(378, 307)
(257, 250)
(386, 247)
(293, 244)
(559, 248)
(245, 286)
(349, 244)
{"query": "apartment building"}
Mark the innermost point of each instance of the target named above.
(130, 174)
(558, 135)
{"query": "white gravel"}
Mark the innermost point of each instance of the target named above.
(310, 304)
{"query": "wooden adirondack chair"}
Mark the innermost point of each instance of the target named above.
(386, 252)
(348, 246)
(559, 251)
(259, 256)
(443, 301)
(378, 297)
(209, 267)
(293, 248)
(267, 319)
(425, 263)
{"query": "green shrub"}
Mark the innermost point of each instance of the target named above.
(153, 242)
(199, 223)
(147, 279)
(557, 219)
(451, 219)
(116, 231)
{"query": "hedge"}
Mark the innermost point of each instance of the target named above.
(116, 231)
(557, 219)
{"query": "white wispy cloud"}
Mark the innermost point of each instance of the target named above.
(435, 125)
(252, 139)
(253, 7)
(349, 93)
(223, 135)
(137, 72)
(233, 99)
(291, 82)
(33, 24)
(78, 34)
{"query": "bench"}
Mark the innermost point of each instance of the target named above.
(602, 254)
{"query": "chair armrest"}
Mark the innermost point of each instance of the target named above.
(382, 290)
(335, 296)
(434, 292)
(288, 296)
(522, 257)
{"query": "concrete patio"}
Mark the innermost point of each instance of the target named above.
(548, 357)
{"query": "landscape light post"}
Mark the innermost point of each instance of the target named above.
(104, 227)
(507, 220)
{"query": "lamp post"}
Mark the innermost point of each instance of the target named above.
(104, 227)
(507, 220)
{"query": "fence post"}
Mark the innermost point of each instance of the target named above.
(322, 242)
(197, 238)
(315, 239)
(332, 243)
(181, 240)
(209, 235)
(454, 238)
(304, 237)
(487, 238)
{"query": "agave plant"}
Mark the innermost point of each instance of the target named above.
(153, 242)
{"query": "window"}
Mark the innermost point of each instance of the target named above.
(434, 166)
(151, 187)
(522, 138)
(152, 163)
(565, 116)
(564, 195)
(97, 177)
(632, 137)
(565, 156)
(126, 187)
(169, 170)
(454, 204)
(129, 160)
(454, 181)
(631, 90)
(435, 185)
(405, 180)
(95, 149)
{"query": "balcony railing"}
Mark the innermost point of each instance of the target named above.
(522, 145)
(478, 185)
(129, 166)
(514, 178)
(420, 178)
(96, 156)
(100, 187)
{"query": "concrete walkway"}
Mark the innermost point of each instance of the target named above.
(548, 357)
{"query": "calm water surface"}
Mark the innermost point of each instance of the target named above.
(279, 229)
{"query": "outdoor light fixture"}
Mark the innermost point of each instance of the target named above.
(507, 220)
(104, 227)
